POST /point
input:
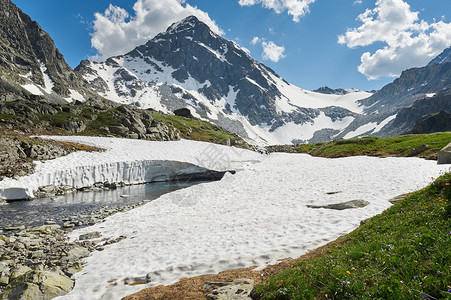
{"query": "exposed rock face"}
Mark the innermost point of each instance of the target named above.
(417, 92)
(100, 117)
(407, 118)
(444, 156)
(437, 122)
(444, 57)
(189, 65)
(17, 156)
(183, 112)
(28, 56)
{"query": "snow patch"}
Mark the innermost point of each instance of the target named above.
(383, 123)
(236, 222)
(33, 89)
(75, 95)
(48, 83)
(361, 130)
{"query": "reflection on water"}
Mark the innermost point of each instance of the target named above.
(37, 212)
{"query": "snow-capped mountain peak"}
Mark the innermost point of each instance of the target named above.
(188, 65)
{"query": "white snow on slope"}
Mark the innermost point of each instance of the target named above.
(48, 83)
(75, 95)
(33, 89)
(254, 217)
(383, 123)
(303, 98)
(146, 78)
(361, 130)
(126, 160)
(285, 134)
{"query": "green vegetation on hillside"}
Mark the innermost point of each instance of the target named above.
(404, 145)
(100, 117)
(403, 253)
(195, 129)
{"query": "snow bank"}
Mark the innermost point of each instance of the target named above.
(254, 217)
(129, 161)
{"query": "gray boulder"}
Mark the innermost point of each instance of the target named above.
(37, 285)
(444, 156)
(343, 205)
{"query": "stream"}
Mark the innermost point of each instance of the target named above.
(82, 208)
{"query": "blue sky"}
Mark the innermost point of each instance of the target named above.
(301, 46)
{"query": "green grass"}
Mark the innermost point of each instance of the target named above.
(7, 117)
(403, 253)
(394, 146)
(195, 129)
(60, 118)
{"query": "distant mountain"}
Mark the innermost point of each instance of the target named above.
(444, 57)
(417, 92)
(29, 62)
(190, 66)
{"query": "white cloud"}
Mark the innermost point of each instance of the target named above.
(272, 52)
(116, 31)
(409, 41)
(255, 40)
(295, 8)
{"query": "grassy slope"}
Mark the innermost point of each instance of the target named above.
(403, 253)
(394, 146)
(195, 129)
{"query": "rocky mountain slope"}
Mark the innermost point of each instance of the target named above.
(444, 57)
(190, 66)
(41, 94)
(394, 109)
(30, 64)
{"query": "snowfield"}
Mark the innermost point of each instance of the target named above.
(254, 217)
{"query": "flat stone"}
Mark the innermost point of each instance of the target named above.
(46, 228)
(90, 235)
(234, 290)
(343, 205)
(397, 198)
(68, 225)
(75, 254)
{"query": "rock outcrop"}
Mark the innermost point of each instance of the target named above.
(17, 154)
(100, 117)
(444, 156)
(436, 122)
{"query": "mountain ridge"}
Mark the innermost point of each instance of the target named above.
(30, 63)
(220, 82)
